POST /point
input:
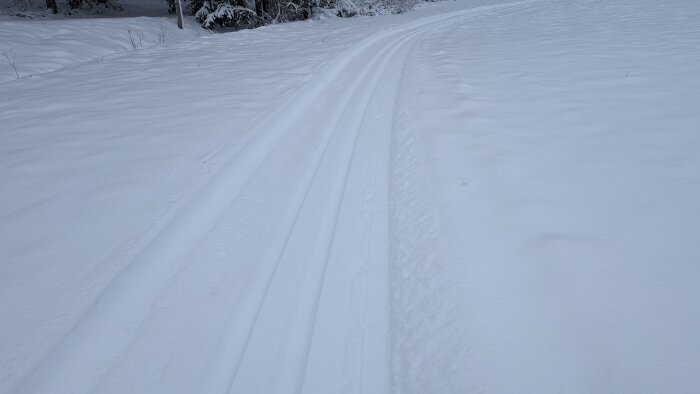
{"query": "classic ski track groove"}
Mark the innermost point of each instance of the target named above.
(358, 88)
(234, 172)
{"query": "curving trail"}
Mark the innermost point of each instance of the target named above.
(477, 196)
(273, 275)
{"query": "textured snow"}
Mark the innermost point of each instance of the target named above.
(564, 140)
(477, 196)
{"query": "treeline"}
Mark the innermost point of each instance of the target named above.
(96, 6)
(242, 14)
(245, 14)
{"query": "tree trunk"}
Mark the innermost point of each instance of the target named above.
(178, 10)
(52, 5)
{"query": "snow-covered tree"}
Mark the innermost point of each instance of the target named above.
(241, 14)
(350, 8)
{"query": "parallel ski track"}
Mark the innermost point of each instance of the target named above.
(189, 222)
(375, 67)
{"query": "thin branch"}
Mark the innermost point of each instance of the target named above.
(11, 63)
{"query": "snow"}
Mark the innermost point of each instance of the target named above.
(476, 196)
(563, 138)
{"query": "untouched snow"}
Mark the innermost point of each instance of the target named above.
(478, 196)
(563, 139)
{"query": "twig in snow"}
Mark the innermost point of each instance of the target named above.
(135, 41)
(10, 60)
(162, 35)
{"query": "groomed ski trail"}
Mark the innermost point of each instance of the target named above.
(301, 210)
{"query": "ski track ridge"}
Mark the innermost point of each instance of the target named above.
(200, 210)
(382, 58)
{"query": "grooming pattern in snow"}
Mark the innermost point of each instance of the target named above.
(223, 251)
(477, 196)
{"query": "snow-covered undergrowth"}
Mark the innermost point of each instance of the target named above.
(223, 15)
(370, 7)
(236, 14)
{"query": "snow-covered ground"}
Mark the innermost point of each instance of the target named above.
(38, 47)
(477, 196)
(563, 138)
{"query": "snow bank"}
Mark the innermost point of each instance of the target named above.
(41, 46)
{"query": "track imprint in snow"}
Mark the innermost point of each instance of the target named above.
(295, 210)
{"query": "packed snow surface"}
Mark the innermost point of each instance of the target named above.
(477, 196)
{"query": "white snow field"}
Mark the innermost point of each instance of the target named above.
(477, 196)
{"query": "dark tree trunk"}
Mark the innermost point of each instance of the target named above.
(52, 5)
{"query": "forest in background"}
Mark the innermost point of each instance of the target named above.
(220, 15)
